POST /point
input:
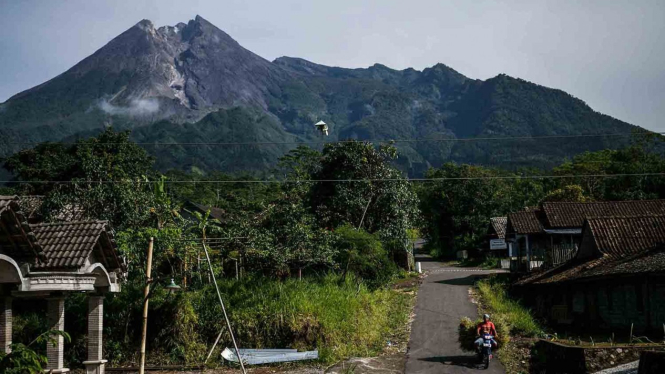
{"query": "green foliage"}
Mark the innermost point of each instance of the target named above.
(457, 208)
(377, 197)
(571, 193)
(640, 158)
(102, 177)
(363, 254)
(515, 319)
(24, 360)
(339, 318)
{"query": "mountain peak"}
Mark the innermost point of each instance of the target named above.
(145, 25)
(198, 18)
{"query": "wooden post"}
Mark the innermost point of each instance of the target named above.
(146, 293)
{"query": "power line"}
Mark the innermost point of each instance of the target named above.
(499, 138)
(509, 177)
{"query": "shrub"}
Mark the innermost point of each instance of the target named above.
(505, 310)
(509, 317)
(339, 318)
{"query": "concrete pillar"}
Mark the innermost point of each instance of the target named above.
(56, 319)
(5, 324)
(95, 364)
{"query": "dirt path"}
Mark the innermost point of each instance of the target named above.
(443, 298)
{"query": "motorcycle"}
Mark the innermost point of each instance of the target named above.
(485, 351)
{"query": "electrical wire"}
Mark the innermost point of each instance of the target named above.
(498, 138)
(508, 177)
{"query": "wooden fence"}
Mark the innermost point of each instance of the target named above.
(560, 254)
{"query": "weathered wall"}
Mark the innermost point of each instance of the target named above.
(604, 304)
(555, 358)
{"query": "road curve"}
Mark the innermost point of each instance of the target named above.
(443, 298)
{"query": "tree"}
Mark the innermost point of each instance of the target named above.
(363, 254)
(457, 207)
(372, 195)
(632, 173)
(105, 177)
(296, 241)
(571, 193)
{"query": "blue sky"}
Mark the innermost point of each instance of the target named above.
(608, 53)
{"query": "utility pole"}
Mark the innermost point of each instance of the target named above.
(146, 293)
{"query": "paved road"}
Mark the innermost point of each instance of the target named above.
(443, 298)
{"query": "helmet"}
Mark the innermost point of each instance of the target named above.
(486, 316)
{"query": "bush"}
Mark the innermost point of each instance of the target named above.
(505, 310)
(339, 318)
(509, 317)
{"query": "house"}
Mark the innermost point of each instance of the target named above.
(563, 221)
(526, 239)
(50, 260)
(616, 279)
(550, 235)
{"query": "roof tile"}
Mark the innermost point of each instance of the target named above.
(569, 214)
(68, 244)
(525, 222)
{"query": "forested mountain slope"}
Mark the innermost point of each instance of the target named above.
(193, 83)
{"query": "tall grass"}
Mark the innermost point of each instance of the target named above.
(506, 311)
(339, 318)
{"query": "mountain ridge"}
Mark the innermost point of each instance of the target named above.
(147, 77)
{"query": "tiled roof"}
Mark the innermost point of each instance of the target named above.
(68, 245)
(625, 245)
(499, 225)
(31, 204)
(618, 237)
(16, 236)
(650, 261)
(525, 222)
(568, 214)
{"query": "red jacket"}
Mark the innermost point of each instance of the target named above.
(486, 326)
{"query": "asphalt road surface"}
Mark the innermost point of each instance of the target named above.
(443, 298)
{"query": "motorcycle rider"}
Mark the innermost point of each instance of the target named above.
(485, 327)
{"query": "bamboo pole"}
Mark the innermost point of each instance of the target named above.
(146, 293)
(226, 317)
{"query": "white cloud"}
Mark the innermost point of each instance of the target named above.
(137, 107)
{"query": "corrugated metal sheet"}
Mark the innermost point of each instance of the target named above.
(268, 356)
(568, 214)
